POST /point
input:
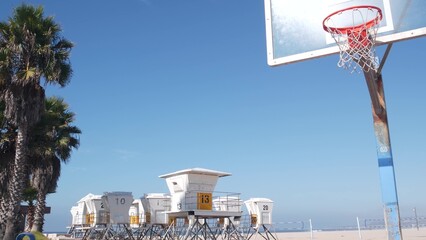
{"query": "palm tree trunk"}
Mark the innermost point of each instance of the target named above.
(3, 201)
(3, 214)
(29, 221)
(5, 172)
(39, 212)
(3, 209)
(17, 183)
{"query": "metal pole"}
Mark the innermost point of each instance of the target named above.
(312, 231)
(384, 154)
(359, 228)
(417, 219)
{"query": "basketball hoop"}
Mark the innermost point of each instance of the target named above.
(354, 29)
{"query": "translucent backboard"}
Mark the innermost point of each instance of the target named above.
(294, 28)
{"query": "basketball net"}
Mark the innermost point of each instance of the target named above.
(357, 38)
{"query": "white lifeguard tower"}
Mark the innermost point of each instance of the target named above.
(150, 209)
(192, 189)
(153, 209)
(192, 197)
(136, 213)
(97, 215)
(118, 205)
(88, 214)
(156, 206)
(96, 210)
(109, 215)
(80, 218)
(260, 211)
(79, 212)
(138, 218)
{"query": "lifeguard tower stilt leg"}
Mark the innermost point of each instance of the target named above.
(384, 154)
(266, 235)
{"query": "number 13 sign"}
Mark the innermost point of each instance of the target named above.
(204, 201)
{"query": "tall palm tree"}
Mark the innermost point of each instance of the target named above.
(31, 50)
(52, 142)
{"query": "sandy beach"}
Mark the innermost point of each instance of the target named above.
(408, 234)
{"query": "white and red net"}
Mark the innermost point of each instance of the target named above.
(354, 30)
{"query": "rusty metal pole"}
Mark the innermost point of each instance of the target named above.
(384, 154)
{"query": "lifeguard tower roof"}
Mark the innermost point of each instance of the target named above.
(85, 198)
(201, 171)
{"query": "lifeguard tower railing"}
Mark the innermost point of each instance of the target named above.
(211, 201)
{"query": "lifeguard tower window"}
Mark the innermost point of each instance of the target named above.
(200, 187)
(176, 187)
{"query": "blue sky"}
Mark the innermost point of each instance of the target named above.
(165, 85)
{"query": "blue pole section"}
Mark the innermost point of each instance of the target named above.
(384, 155)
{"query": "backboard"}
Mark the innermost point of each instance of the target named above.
(294, 30)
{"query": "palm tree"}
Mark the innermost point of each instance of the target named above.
(31, 49)
(52, 142)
